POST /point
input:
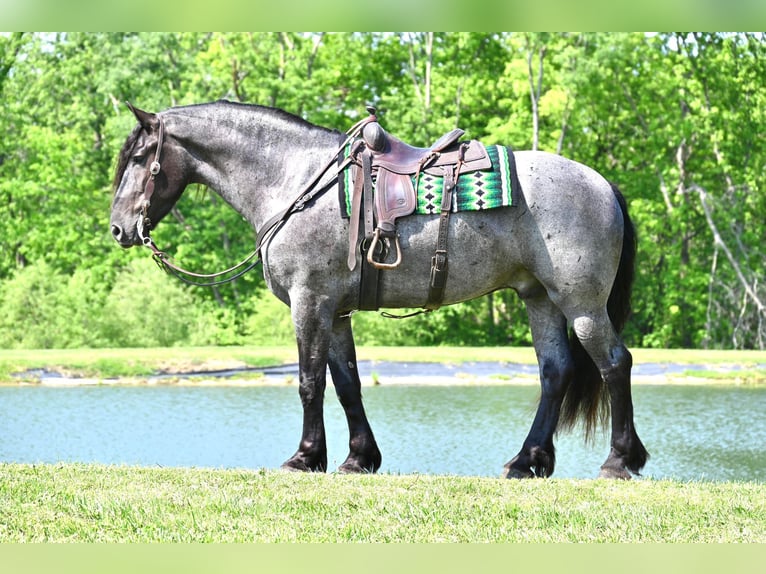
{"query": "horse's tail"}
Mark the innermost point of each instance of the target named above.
(587, 397)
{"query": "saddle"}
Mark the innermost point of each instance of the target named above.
(387, 190)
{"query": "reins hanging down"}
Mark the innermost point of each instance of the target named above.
(202, 279)
(310, 191)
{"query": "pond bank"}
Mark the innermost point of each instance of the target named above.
(396, 373)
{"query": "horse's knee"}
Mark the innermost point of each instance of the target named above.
(311, 389)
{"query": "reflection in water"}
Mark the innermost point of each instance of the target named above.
(692, 432)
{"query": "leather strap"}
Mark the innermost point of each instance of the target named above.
(353, 223)
(439, 261)
(368, 288)
(369, 223)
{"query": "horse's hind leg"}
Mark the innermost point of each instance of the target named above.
(614, 361)
(549, 333)
(364, 455)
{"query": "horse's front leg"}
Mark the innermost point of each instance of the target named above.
(313, 327)
(364, 455)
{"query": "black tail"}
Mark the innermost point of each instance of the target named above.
(587, 398)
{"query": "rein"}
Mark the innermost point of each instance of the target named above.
(271, 226)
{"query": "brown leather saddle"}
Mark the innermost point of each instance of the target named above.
(385, 189)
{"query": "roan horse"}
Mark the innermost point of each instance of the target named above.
(567, 247)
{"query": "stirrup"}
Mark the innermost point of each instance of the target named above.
(371, 250)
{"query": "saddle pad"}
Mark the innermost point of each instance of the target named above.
(475, 191)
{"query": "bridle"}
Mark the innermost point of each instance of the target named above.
(144, 224)
(154, 169)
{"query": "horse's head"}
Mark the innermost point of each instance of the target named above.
(150, 178)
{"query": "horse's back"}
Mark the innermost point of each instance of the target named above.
(555, 183)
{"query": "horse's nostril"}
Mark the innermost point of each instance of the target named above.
(116, 231)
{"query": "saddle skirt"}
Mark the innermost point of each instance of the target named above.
(386, 176)
(496, 186)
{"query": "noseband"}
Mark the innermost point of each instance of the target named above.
(144, 223)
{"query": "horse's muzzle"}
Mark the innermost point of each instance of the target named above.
(119, 235)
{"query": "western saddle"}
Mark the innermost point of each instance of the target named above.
(384, 191)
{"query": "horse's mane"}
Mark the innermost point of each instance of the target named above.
(268, 111)
(276, 114)
(125, 153)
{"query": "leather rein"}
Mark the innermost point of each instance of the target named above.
(271, 226)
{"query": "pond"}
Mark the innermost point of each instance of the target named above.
(693, 432)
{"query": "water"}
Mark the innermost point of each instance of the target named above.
(692, 432)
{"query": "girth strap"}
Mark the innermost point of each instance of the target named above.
(370, 275)
(369, 282)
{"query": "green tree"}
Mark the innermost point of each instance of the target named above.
(676, 120)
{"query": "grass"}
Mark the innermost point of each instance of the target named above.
(749, 376)
(113, 363)
(91, 503)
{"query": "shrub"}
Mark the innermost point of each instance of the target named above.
(29, 303)
(145, 308)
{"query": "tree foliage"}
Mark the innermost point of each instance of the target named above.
(676, 120)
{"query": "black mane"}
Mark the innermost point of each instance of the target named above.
(278, 114)
(125, 154)
(269, 111)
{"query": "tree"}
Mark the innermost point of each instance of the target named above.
(676, 120)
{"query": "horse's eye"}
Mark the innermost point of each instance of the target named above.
(138, 159)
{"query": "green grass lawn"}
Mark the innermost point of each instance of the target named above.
(92, 503)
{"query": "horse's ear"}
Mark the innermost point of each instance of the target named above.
(147, 120)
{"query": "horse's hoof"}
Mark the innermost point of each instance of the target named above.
(353, 468)
(518, 473)
(614, 473)
(353, 465)
(538, 463)
(293, 467)
(298, 465)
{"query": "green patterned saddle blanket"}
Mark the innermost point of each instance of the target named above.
(478, 190)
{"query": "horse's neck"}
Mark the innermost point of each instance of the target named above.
(255, 161)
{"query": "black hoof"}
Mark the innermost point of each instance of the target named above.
(359, 464)
(613, 473)
(296, 464)
(354, 468)
(537, 463)
(511, 472)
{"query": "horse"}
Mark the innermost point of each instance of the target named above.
(567, 247)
